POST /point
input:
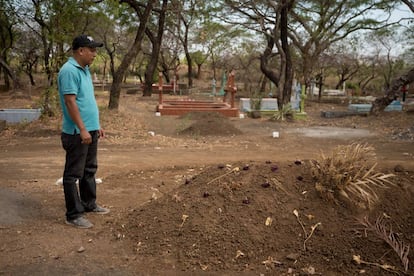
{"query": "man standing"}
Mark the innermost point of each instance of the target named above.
(80, 132)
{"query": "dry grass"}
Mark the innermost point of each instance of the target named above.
(350, 172)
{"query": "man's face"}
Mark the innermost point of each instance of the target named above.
(87, 55)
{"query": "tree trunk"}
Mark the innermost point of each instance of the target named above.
(190, 67)
(149, 75)
(288, 67)
(9, 73)
(264, 62)
(199, 71)
(32, 81)
(263, 83)
(213, 64)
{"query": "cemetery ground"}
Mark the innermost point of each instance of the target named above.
(204, 194)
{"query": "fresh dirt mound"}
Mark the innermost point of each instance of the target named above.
(240, 218)
(209, 124)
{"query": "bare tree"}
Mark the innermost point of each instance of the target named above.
(344, 61)
(187, 13)
(143, 12)
(367, 72)
(270, 18)
(9, 71)
(156, 41)
(394, 89)
(318, 24)
(8, 23)
(169, 60)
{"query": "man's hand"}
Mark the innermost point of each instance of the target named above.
(86, 137)
(101, 133)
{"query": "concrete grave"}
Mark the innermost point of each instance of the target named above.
(15, 116)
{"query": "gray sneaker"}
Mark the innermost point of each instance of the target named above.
(80, 222)
(100, 210)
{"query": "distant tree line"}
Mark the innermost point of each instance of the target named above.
(278, 42)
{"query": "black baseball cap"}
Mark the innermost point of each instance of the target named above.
(85, 41)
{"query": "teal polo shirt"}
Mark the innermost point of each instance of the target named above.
(73, 79)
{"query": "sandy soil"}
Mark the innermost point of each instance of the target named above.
(203, 195)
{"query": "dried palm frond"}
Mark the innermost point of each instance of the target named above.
(350, 172)
(380, 228)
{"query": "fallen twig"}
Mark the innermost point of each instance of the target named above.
(279, 185)
(386, 267)
(183, 219)
(296, 213)
(313, 228)
(236, 169)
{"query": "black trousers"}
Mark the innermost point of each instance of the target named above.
(81, 164)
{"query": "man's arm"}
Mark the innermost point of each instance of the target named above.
(73, 110)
